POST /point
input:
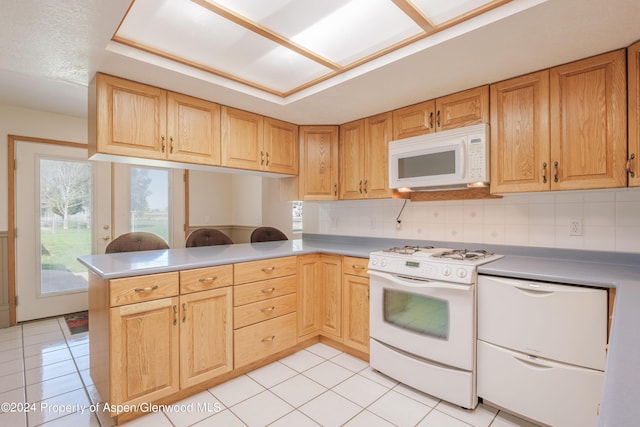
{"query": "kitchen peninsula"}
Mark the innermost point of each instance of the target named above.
(587, 268)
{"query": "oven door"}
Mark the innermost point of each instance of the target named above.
(430, 319)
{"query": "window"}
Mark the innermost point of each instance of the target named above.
(149, 206)
(297, 216)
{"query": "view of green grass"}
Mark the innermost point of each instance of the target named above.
(60, 248)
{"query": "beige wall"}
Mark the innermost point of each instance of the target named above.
(32, 123)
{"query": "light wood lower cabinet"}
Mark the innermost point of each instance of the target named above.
(147, 342)
(355, 303)
(264, 308)
(145, 352)
(333, 299)
(206, 335)
(255, 342)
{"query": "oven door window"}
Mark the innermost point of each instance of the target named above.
(417, 313)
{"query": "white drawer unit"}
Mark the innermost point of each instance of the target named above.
(559, 322)
(541, 349)
(557, 394)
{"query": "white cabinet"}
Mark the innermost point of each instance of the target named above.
(542, 349)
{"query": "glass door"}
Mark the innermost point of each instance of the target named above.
(54, 225)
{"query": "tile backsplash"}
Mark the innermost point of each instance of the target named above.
(610, 219)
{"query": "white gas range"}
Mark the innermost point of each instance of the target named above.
(423, 318)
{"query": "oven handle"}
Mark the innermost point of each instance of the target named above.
(418, 283)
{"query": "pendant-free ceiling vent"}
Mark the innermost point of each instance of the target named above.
(285, 46)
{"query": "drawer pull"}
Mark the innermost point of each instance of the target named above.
(207, 279)
(268, 291)
(357, 267)
(268, 269)
(147, 289)
(268, 339)
(268, 309)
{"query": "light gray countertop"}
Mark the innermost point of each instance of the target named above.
(621, 402)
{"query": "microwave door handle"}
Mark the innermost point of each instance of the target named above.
(463, 165)
(418, 283)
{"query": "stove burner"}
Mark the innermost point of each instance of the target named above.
(407, 250)
(464, 254)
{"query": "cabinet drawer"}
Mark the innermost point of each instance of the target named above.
(264, 310)
(549, 392)
(257, 341)
(202, 279)
(130, 290)
(253, 271)
(559, 322)
(260, 291)
(355, 266)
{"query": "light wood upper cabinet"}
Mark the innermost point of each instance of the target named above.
(633, 165)
(318, 177)
(364, 148)
(193, 129)
(206, 335)
(131, 119)
(242, 134)
(144, 352)
(561, 129)
(280, 146)
(588, 123)
(414, 120)
(126, 118)
(465, 108)
(251, 141)
(520, 134)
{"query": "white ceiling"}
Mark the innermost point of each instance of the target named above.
(50, 50)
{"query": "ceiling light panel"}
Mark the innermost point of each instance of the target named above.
(439, 11)
(343, 31)
(183, 29)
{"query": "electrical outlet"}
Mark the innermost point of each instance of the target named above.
(575, 226)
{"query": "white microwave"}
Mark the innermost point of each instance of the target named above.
(452, 159)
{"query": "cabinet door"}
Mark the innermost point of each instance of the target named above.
(378, 131)
(588, 123)
(319, 162)
(520, 134)
(280, 149)
(242, 134)
(414, 120)
(144, 351)
(309, 311)
(206, 335)
(130, 119)
(355, 313)
(352, 160)
(633, 56)
(193, 130)
(331, 295)
(469, 107)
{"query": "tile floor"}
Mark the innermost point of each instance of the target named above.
(44, 366)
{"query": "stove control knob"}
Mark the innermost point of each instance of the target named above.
(374, 261)
(461, 272)
(383, 263)
(446, 271)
